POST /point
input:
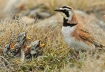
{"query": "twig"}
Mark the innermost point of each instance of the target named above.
(8, 63)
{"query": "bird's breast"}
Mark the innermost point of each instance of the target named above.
(71, 41)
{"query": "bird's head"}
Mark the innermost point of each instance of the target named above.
(68, 14)
(35, 46)
(22, 37)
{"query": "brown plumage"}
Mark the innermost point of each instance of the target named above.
(85, 33)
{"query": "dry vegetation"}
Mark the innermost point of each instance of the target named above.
(57, 56)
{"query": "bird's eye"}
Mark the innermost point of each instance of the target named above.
(65, 10)
(37, 45)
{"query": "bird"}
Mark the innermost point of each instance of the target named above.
(8, 50)
(20, 43)
(82, 34)
(12, 7)
(33, 49)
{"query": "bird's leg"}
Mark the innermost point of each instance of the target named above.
(74, 54)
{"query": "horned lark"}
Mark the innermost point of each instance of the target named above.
(22, 38)
(81, 34)
(33, 49)
(8, 50)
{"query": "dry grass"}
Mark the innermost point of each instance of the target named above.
(57, 56)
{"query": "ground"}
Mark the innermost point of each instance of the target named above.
(57, 56)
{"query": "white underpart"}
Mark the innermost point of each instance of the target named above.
(72, 42)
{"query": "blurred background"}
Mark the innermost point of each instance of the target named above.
(39, 19)
(93, 7)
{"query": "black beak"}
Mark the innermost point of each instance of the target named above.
(59, 10)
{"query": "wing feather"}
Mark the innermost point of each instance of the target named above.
(92, 31)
